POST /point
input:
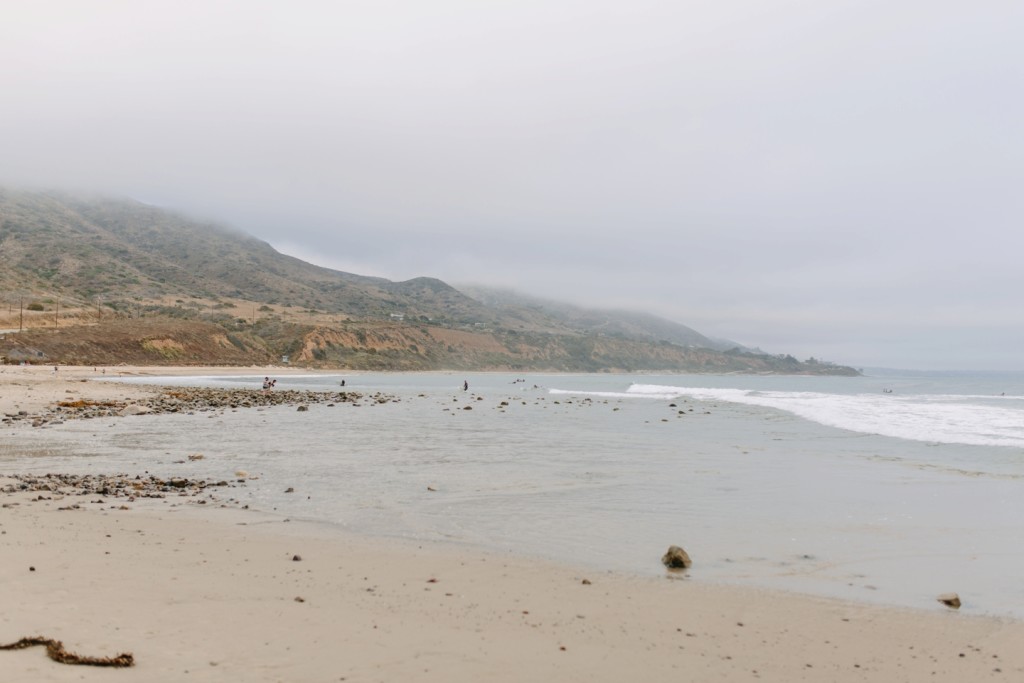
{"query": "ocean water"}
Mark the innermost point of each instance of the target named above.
(882, 489)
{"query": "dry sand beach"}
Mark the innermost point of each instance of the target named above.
(210, 593)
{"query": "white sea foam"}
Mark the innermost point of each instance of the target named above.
(612, 394)
(944, 418)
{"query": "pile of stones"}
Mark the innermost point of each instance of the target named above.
(112, 486)
(188, 400)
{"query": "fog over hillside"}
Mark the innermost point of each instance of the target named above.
(837, 179)
(176, 290)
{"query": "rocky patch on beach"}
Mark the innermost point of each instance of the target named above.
(116, 486)
(188, 400)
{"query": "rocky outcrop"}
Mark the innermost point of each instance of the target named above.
(676, 558)
(189, 400)
(118, 486)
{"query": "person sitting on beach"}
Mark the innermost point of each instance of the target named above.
(267, 384)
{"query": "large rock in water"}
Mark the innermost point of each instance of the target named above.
(676, 558)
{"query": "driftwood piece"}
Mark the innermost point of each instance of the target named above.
(55, 650)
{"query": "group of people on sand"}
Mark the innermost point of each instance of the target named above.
(269, 384)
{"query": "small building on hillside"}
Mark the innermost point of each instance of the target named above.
(13, 356)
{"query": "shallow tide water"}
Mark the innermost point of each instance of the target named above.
(889, 490)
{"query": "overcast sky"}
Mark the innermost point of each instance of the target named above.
(819, 177)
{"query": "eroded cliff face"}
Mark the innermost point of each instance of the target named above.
(368, 346)
(148, 341)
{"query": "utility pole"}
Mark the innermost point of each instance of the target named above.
(21, 313)
(56, 316)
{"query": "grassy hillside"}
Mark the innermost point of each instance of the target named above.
(610, 323)
(103, 281)
(125, 252)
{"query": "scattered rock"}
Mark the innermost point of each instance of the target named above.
(950, 600)
(585, 582)
(134, 409)
(121, 486)
(185, 400)
(289, 490)
(296, 558)
(302, 409)
(676, 558)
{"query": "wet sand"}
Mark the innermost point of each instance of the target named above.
(205, 593)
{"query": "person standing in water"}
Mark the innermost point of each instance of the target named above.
(465, 385)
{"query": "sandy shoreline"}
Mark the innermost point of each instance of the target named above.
(209, 593)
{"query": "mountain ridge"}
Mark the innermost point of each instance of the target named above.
(614, 322)
(130, 261)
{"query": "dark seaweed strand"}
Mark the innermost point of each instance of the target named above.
(55, 650)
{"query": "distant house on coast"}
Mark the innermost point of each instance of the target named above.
(23, 356)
